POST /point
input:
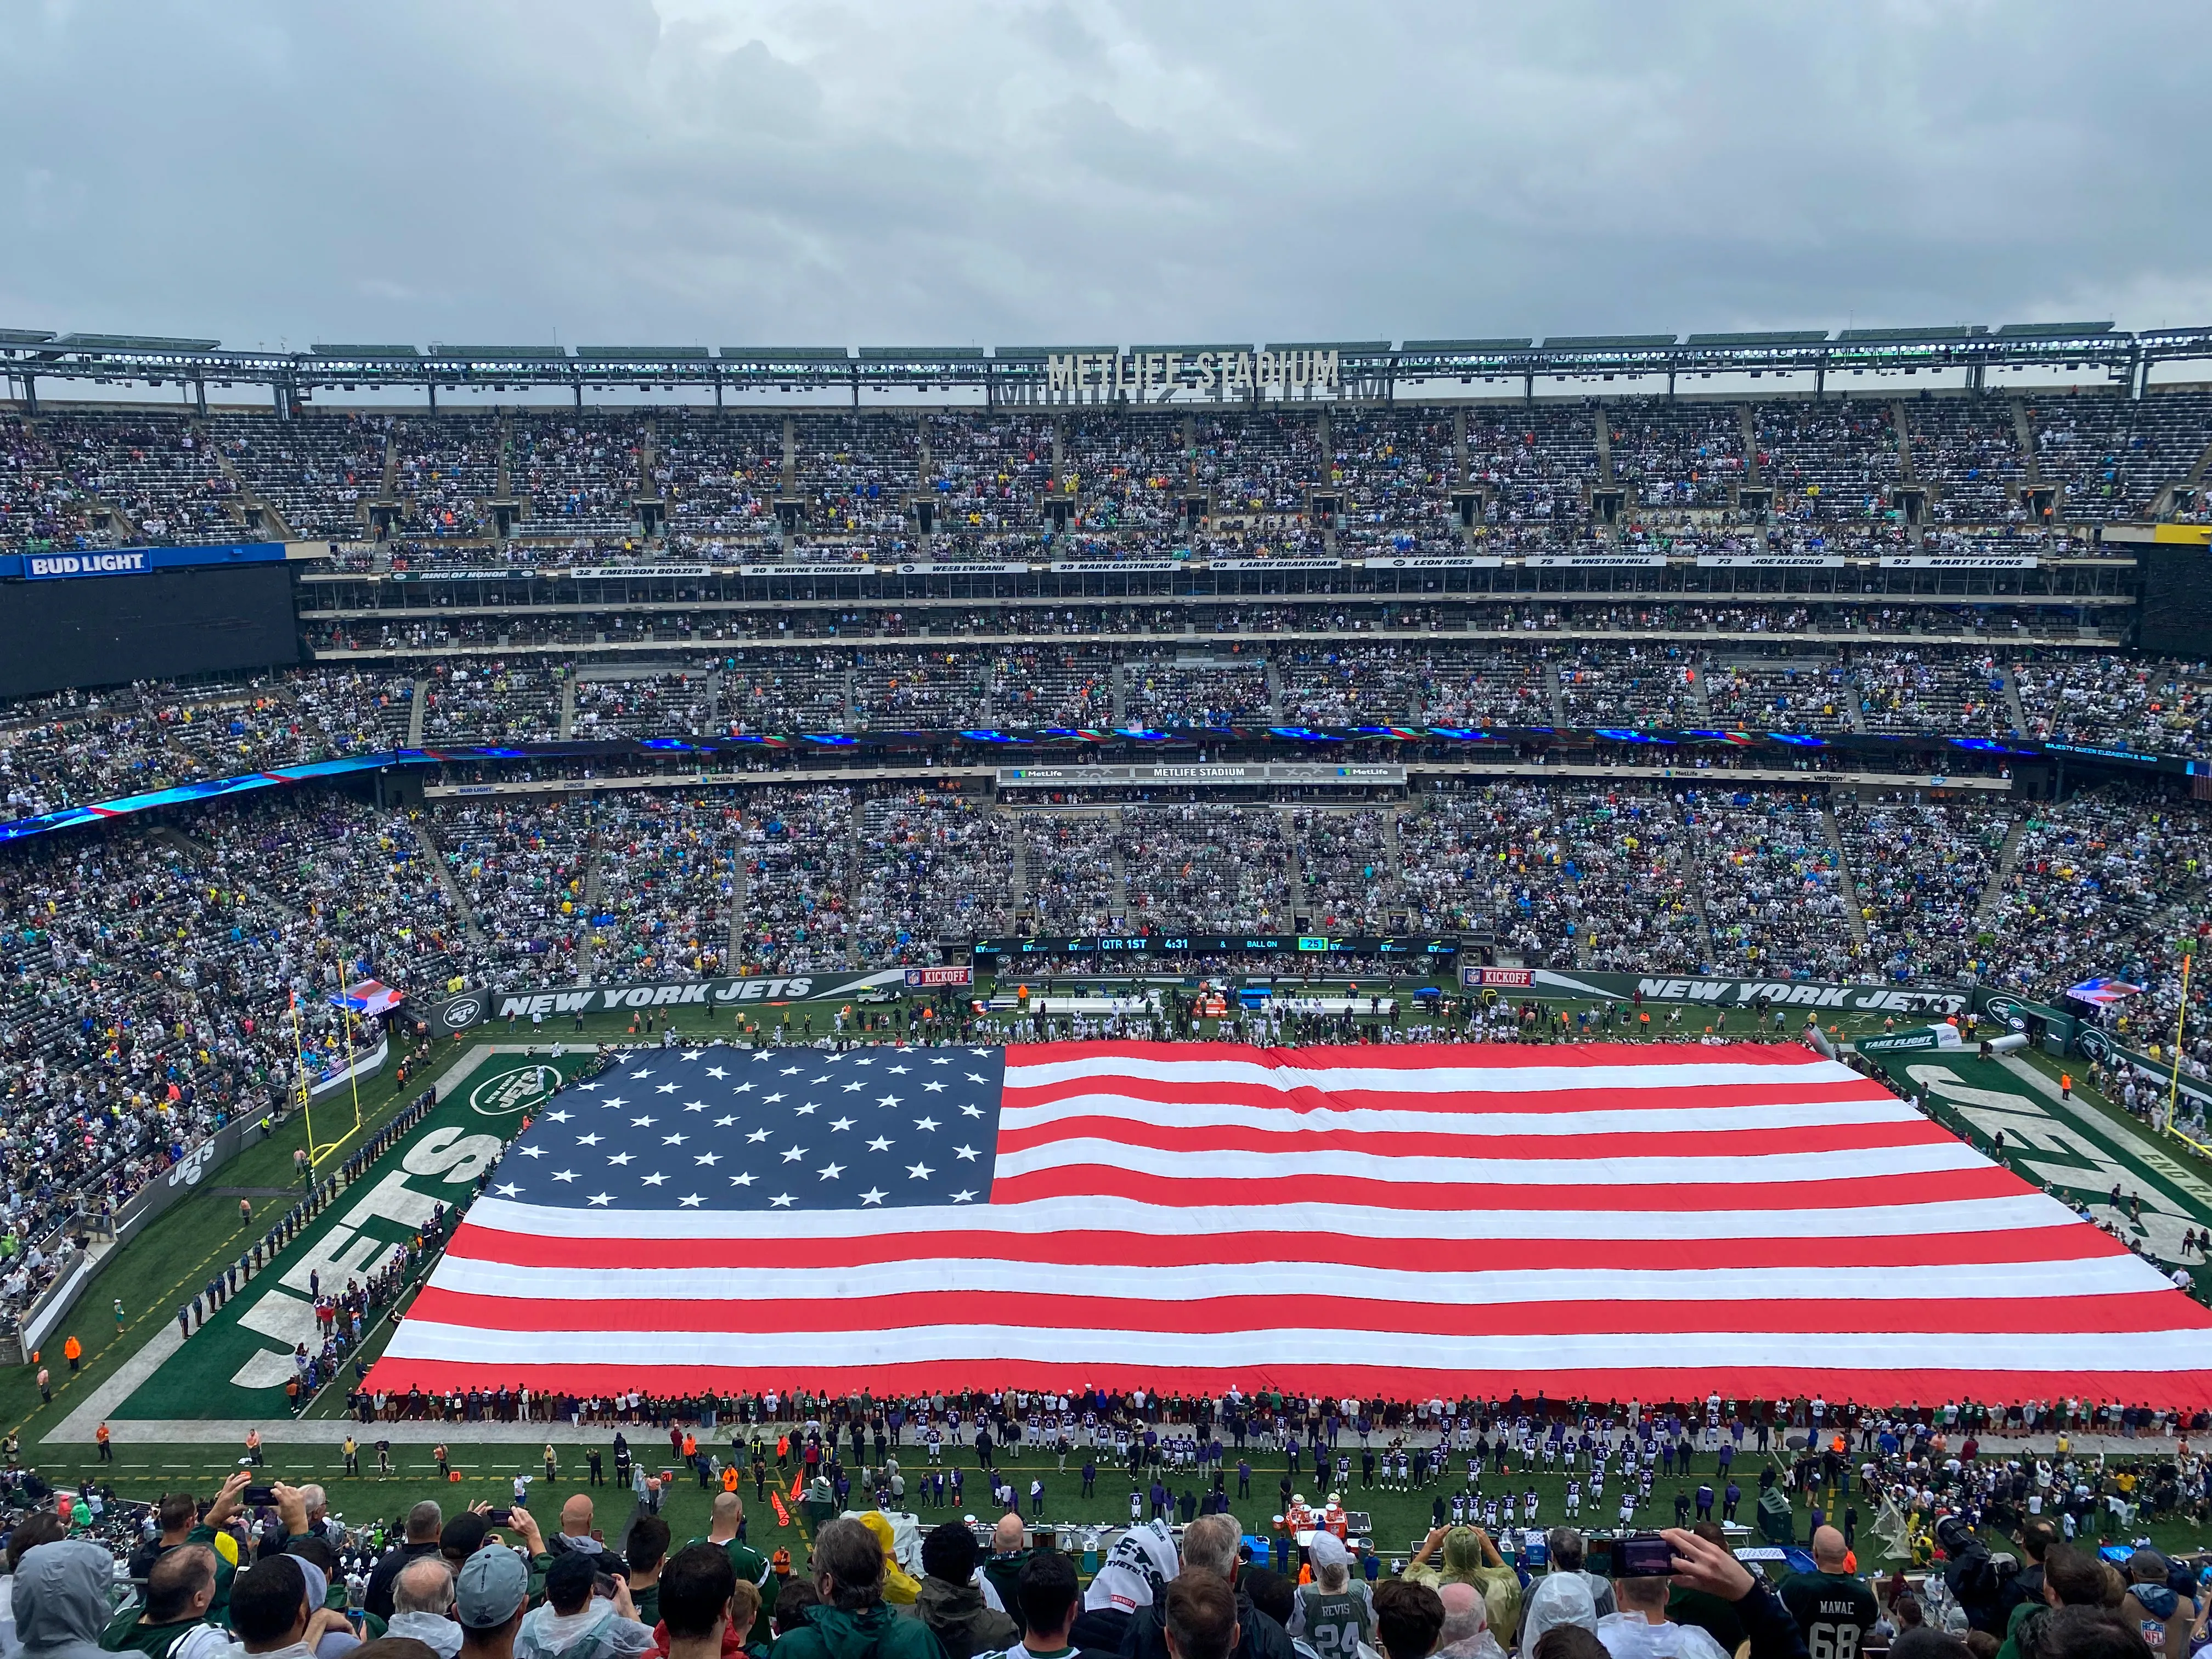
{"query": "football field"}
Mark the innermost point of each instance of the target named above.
(179, 1410)
(2079, 1147)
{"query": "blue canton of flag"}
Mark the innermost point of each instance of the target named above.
(720, 1128)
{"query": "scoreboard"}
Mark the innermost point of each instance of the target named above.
(151, 624)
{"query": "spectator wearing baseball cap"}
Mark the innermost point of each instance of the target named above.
(488, 1597)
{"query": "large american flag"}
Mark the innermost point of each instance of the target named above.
(1645, 1222)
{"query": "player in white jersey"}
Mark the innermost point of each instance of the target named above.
(1574, 1497)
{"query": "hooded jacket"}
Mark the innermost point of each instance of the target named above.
(1560, 1598)
(963, 1622)
(61, 1600)
(595, 1631)
(1500, 1587)
(2155, 1605)
(442, 1635)
(875, 1632)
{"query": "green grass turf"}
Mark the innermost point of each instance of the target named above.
(143, 1471)
(2159, 1168)
(197, 1380)
(180, 1251)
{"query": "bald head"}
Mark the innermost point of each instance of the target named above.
(1464, 1616)
(424, 1585)
(576, 1516)
(1007, 1536)
(729, 1516)
(1829, 1550)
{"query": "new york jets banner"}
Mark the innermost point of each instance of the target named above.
(1550, 984)
(457, 1014)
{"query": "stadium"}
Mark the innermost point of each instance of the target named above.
(1306, 971)
(1312, 805)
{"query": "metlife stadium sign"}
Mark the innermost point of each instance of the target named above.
(136, 561)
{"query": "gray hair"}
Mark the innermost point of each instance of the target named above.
(424, 1585)
(1567, 1547)
(848, 1555)
(1464, 1615)
(1210, 1542)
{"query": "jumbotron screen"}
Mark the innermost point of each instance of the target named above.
(154, 625)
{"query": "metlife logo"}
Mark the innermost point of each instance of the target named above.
(46, 566)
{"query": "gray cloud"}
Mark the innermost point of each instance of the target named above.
(987, 171)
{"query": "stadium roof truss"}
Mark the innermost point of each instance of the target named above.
(1368, 366)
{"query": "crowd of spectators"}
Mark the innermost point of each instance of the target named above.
(1226, 864)
(147, 977)
(1936, 1532)
(847, 482)
(148, 967)
(936, 865)
(1774, 893)
(1923, 871)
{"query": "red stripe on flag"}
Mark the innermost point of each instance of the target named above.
(1840, 1385)
(1849, 1192)
(1291, 1141)
(1783, 1057)
(1106, 1251)
(1655, 1100)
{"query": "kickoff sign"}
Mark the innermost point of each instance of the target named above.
(918, 979)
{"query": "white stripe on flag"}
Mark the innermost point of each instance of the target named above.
(2110, 1275)
(1643, 1173)
(1975, 1215)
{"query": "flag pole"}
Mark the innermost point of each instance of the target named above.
(306, 1094)
(353, 1072)
(2180, 1025)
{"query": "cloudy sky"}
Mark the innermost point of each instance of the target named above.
(1013, 171)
